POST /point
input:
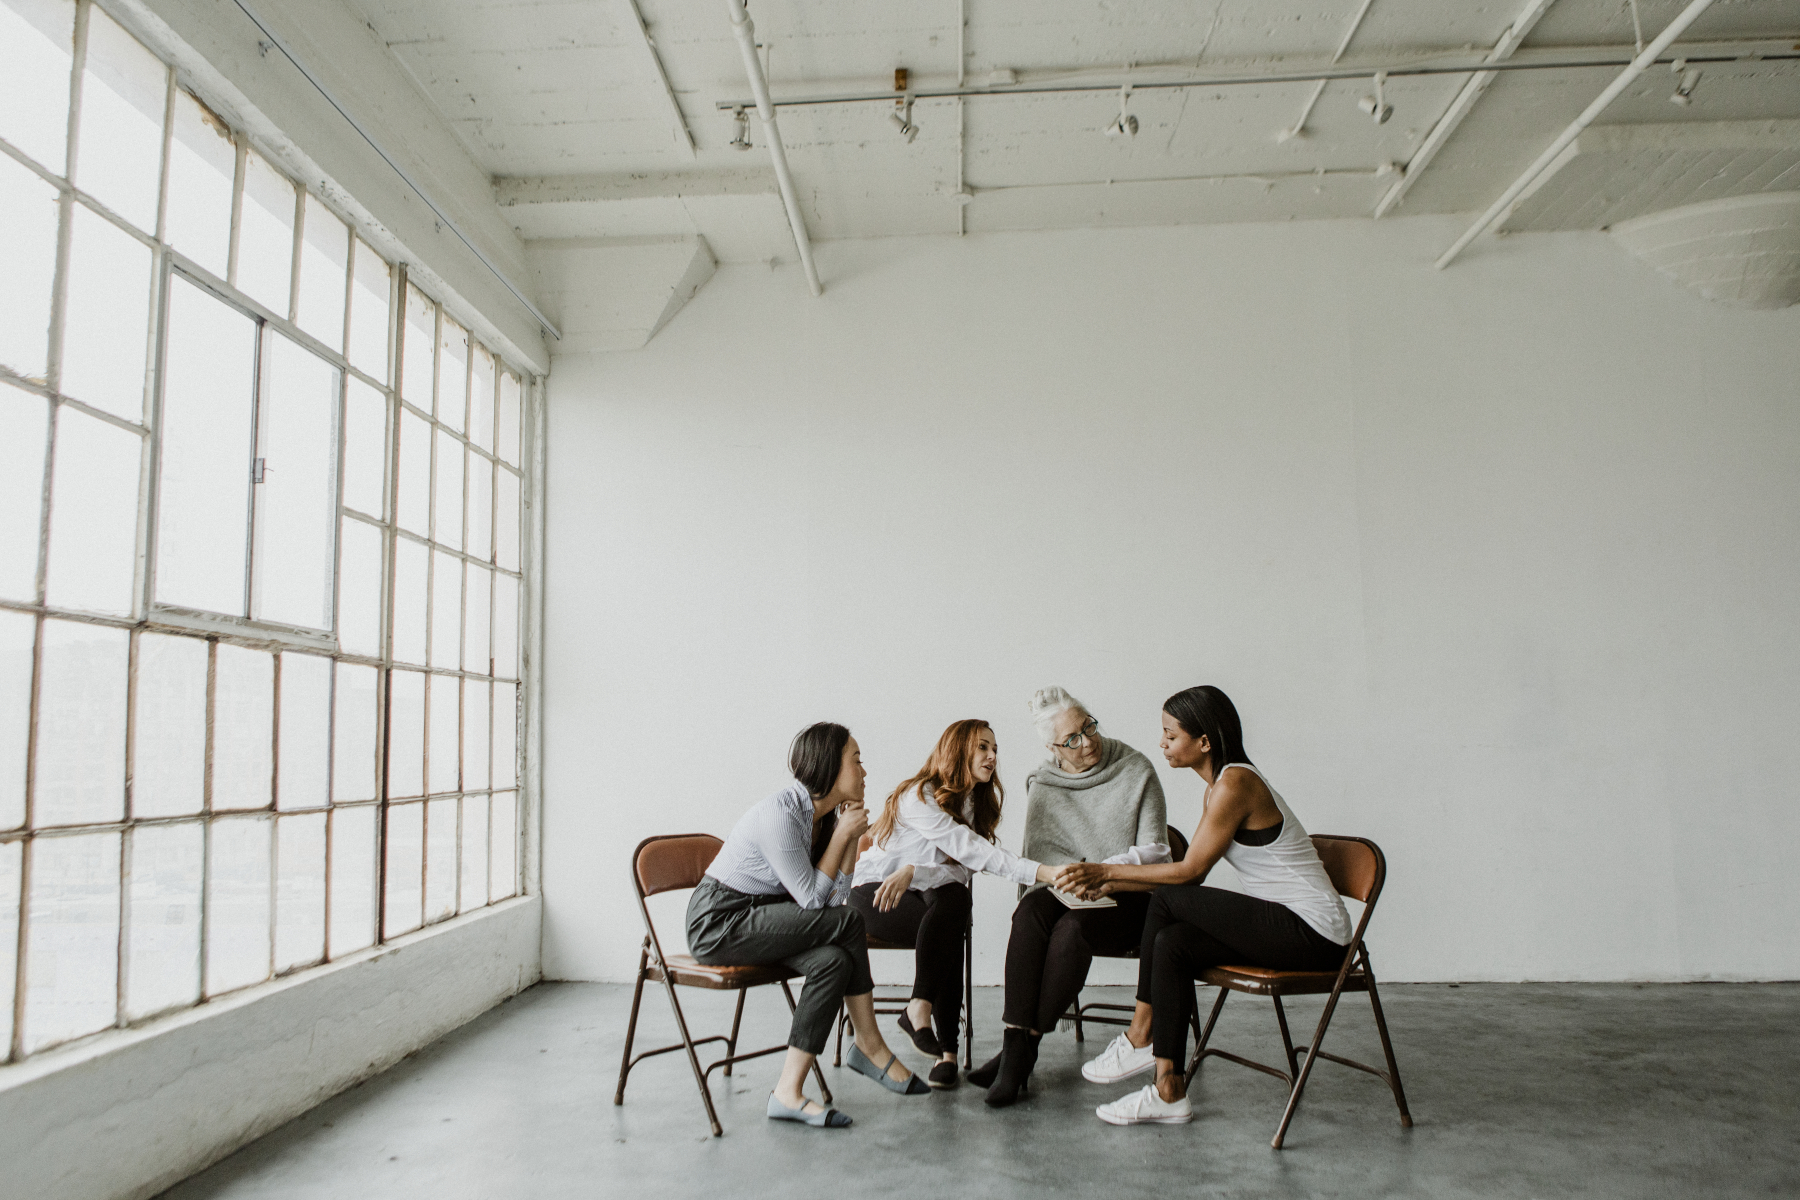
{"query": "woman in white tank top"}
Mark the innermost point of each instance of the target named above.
(1288, 917)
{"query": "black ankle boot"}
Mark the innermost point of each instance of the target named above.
(1018, 1055)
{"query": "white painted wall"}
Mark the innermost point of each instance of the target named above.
(126, 1115)
(1497, 562)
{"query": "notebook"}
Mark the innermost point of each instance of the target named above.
(1074, 901)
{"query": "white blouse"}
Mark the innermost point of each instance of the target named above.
(939, 849)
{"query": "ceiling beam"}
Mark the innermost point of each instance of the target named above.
(685, 136)
(1460, 107)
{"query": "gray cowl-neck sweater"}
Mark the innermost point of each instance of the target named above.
(1101, 812)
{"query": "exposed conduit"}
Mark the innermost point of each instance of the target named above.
(759, 88)
(1298, 129)
(1566, 138)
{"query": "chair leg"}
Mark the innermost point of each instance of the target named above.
(736, 1019)
(1387, 1048)
(1312, 1056)
(1287, 1043)
(1205, 1034)
(687, 1041)
(1079, 1036)
(824, 1088)
(843, 1019)
(637, 998)
(968, 1021)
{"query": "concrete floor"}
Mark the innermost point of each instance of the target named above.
(1535, 1090)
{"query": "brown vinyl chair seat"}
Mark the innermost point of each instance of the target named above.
(1267, 981)
(683, 970)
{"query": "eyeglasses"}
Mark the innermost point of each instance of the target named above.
(1089, 731)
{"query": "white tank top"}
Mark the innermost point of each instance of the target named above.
(1288, 871)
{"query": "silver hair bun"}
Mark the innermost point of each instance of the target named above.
(1045, 703)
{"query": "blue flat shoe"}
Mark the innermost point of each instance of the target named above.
(859, 1062)
(825, 1118)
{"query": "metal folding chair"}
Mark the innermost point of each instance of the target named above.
(673, 863)
(1357, 869)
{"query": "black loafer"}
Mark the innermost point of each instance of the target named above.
(924, 1039)
(943, 1076)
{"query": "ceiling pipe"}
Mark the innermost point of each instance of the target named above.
(765, 108)
(1566, 138)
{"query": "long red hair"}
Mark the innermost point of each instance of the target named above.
(951, 777)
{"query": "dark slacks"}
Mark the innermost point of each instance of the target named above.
(1188, 929)
(827, 945)
(933, 923)
(1052, 946)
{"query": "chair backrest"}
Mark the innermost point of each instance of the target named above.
(1356, 865)
(1178, 845)
(673, 861)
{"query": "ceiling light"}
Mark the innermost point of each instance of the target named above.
(1377, 106)
(1123, 125)
(1689, 77)
(742, 140)
(901, 119)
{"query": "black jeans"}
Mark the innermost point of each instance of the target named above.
(1052, 946)
(1191, 928)
(827, 945)
(933, 923)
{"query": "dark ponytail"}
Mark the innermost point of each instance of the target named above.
(1205, 711)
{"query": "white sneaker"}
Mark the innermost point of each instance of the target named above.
(1120, 1060)
(1145, 1107)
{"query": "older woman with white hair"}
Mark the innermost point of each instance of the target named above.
(1094, 800)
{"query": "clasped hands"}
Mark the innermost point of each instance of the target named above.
(1084, 880)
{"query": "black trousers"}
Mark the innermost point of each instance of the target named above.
(1052, 946)
(933, 923)
(1191, 928)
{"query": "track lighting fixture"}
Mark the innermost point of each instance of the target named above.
(901, 119)
(1688, 77)
(1377, 106)
(742, 140)
(1125, 124)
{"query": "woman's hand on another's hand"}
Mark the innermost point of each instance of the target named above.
(893, 888)
(1074, 877)
(1096, 891)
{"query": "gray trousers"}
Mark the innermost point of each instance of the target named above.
(827, 945)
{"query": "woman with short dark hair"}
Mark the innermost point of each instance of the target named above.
(1289, 917)
(775, 894)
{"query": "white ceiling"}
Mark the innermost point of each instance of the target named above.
(561, 102)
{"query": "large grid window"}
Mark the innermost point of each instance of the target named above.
(260, 561)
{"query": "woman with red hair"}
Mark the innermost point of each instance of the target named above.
(912, 885)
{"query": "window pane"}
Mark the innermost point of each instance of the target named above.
(477, 733)
(447, 528)
(420, 338)
(18, 634)
(202, 172)
(11, 876)
(299, 890)
(506, 626)
(506, 736)
(354, 725)
(24, 435)
(237, 903)
(34, 88)
(204, 472)
(168, 775)
(406, 734)
(107, 320)
(506, 519)
(414, 502)
(359, 590)
(324, 267)
(28, 247)
(410, 596)
(303, 778)
(453, 374)
(163, 918)
(446, 611)
(80, 757)
(474, 891)
(508, 435)
(265, 263)
(119, 145)
(72, 943)
(503, 868)
(481, 399)
(481, 508)
(352, 879)
(478, 599)
(405, 867)
(365, 449)
(440, 859)
(93, 515)
(297, 500)
(243, 728)
(446, 720)
(369, 312)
